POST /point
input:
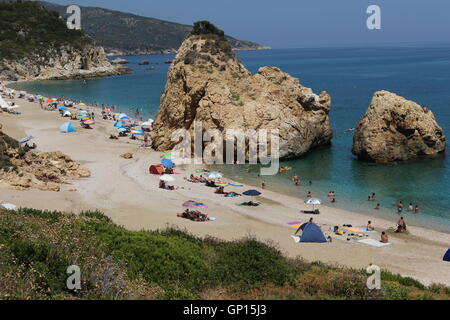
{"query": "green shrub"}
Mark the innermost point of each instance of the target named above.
(250, 263)
(395, 291)
(405, 281)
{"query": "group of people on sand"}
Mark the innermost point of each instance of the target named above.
(162, 185)
(232, 194)
(194, 215)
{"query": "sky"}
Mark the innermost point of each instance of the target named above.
(301, 23)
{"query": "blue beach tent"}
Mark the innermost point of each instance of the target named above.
(67, 128)
(447, 256)
(312, 233)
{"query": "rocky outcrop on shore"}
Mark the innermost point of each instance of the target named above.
(22, 170)
(207, 82)
(395, 129)
(66, 62)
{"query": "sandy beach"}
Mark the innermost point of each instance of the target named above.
(124, 190)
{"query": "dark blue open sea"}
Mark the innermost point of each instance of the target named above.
(350, 76)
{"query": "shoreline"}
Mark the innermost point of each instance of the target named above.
(348, 207)
(114, 179)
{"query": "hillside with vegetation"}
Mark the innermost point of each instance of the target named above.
(35, 43)
(29, 28)
(38, 247)
(125, 33)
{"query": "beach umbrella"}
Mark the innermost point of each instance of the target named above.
(137, 132)
(62, 108)
(82, 104)
(167, 155)
(313, 201)
(167, 163)
(122, 129)
(221, 184)
(8, 206)
(147, 124)
(193, 204)
(123, 116)
(214, 175)
(118, 124)
(67, 114)
(252, 193)
(26, 139)
(88, 121)
(67, 128)
(167, 178)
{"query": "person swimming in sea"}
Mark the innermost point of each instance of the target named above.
(399, 207)
(378, 206)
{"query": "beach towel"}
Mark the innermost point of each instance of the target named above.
(366, 230)
(354, 229)
(236, 185)
(374, 243)
(295, 224)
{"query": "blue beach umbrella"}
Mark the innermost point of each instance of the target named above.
(137, 132)
(118, 124)
(123, 116)
(252, 193)
(67, 128)
(62, 108)
(167, 163)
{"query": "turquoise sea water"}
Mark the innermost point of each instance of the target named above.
(350, 76)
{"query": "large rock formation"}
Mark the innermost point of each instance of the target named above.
(23, 170)
(206, 82)
(396, 129)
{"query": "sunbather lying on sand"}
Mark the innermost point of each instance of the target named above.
(162, 185)
(210, 183)
(194, 215)
(384, 237)
(232, 194)
(250, 204)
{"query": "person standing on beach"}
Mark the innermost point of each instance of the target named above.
(263, 185)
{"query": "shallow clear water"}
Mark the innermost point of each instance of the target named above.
(350, 76)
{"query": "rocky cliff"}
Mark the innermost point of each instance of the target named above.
(36, 44)
(396, 129)
(61, 63)
(207, 82)
(22, 170)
